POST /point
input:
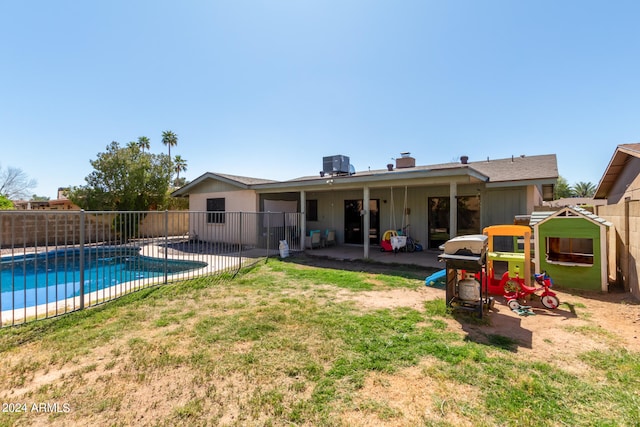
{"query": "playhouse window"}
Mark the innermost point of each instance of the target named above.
(570, 250)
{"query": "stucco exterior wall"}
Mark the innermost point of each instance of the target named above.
(235, 201)
(626, 220)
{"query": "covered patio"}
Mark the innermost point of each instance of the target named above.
(427, 258)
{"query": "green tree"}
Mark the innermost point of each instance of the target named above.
(169, 139)
(144, 143)
(562, 189)
(36, 198)
(125, 179)
(5, 204)
(584, 189)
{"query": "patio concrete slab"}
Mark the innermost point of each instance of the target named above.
(425, 258)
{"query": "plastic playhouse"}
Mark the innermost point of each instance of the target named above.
(518, 260)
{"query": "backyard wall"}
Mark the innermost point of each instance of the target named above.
(625, 217)
(43, 228)
(177, 224)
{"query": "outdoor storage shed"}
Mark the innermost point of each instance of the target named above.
(571, 246)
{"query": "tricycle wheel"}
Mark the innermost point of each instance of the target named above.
(513, 304)
(550, 301)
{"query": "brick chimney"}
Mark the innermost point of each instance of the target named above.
(406, 161)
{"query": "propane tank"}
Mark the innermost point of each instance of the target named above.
(469, 288)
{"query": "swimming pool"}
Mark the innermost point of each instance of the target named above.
(34, 279)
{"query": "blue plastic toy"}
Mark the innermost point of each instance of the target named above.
(439, 278)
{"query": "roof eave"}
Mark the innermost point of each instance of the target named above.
(184, 191)
(523, 182)
(373, 178)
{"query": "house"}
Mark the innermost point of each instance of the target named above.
(571, 245)
(438, 201)
(620, 187)
(61, 203)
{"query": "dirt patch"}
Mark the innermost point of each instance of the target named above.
(583, 320)
(582, 323)
(147, 375)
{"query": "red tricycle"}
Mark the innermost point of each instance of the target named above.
(515, 291)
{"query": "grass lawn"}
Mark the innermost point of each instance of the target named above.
(285, 344)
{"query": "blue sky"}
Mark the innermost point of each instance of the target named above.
(267, 88)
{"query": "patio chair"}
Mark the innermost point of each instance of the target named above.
(330, 238)
(313, 241)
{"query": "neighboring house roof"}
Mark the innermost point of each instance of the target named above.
(574, 201)
(623, 153)
(517, 170)
(538, 217)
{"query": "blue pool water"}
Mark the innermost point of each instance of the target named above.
(30, 280)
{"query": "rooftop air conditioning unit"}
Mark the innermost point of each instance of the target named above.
(336, 165)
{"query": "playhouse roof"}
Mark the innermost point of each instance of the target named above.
(542, 216)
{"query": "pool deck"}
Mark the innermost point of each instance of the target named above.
(216, 263)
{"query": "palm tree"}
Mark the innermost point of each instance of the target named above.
(179, 165)
(584, 189)
(169, 139)
(144, 143)
(562, 189)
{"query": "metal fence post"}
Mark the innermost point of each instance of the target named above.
(81, 262)
(268, 233)
(241, 238)
(166, 246)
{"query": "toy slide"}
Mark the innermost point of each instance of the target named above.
(439, 278)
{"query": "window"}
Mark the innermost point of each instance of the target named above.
(468, 215)
(571, 250)
(312, 210)
(216, 208)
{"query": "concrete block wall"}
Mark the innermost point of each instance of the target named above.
(42, 228)
(625, 217)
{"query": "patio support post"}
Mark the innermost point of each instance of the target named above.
(303, 218)
(453, 210)
(366, 220)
